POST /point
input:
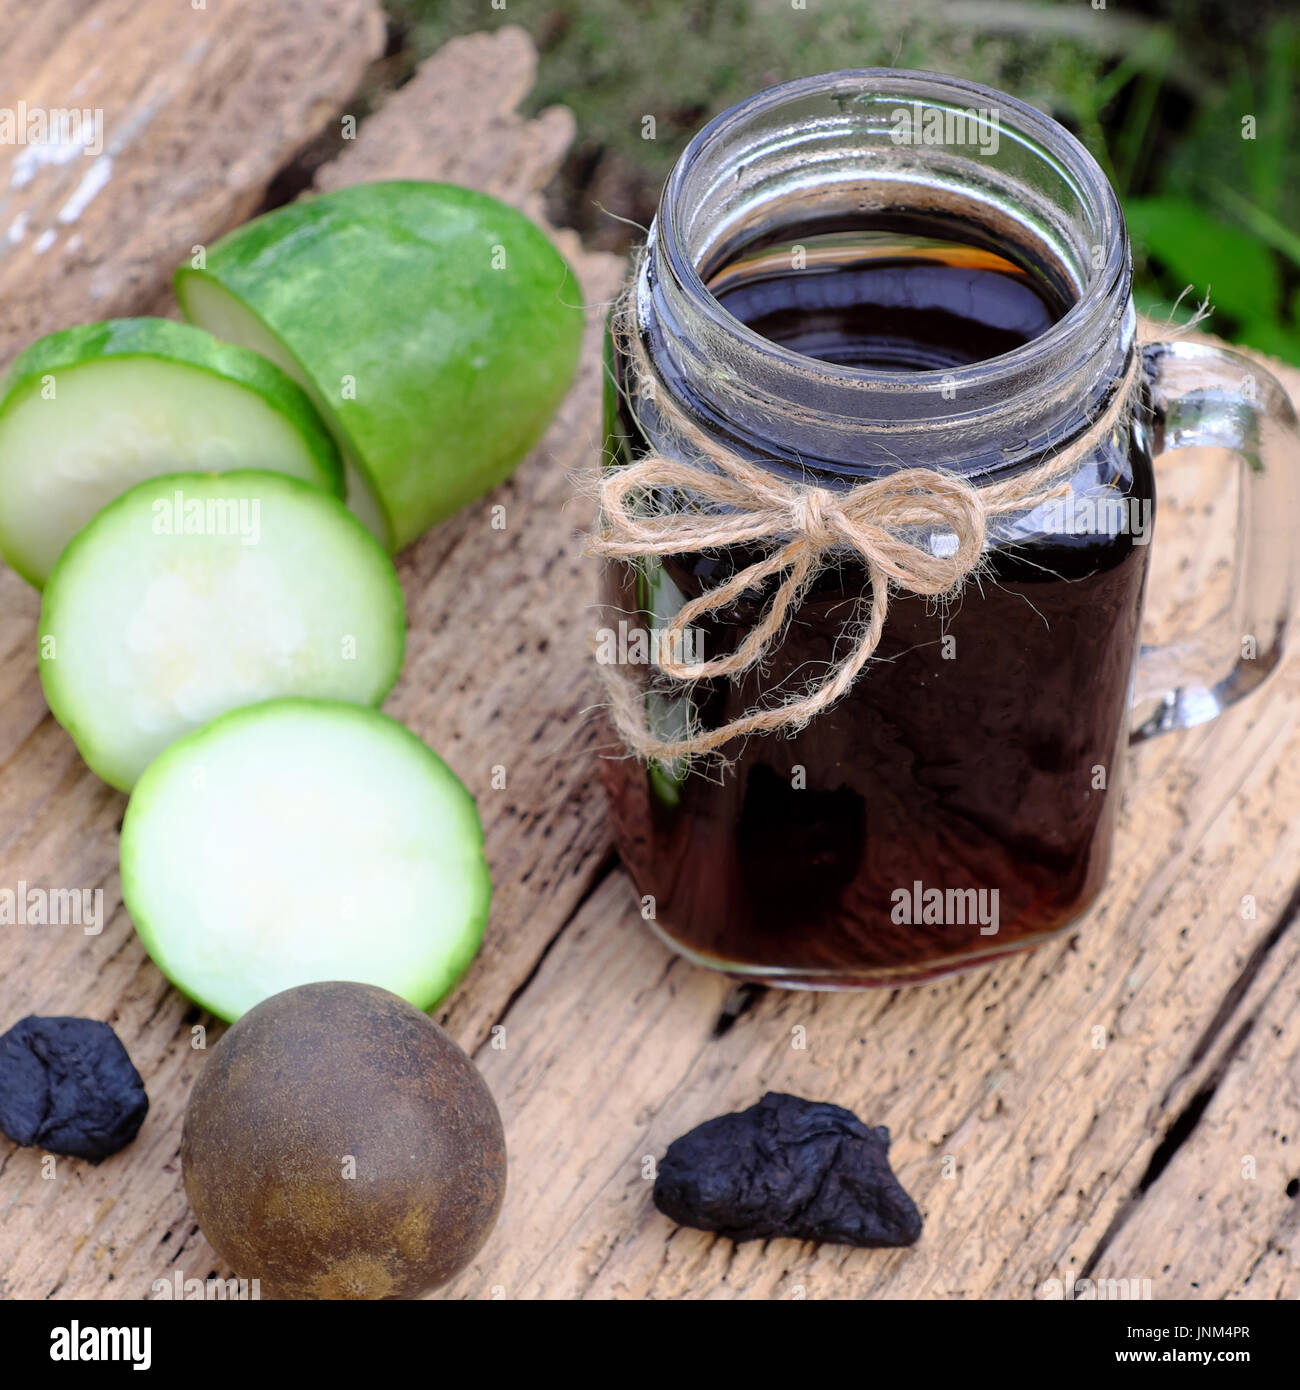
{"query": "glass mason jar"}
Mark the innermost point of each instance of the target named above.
(980, 751)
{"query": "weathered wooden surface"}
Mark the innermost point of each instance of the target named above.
(1059, 1149)
(201, 107)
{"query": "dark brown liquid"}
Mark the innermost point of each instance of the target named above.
(888, 298)
(980, 750)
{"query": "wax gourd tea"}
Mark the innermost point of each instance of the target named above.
(891, 293)
(836, 319)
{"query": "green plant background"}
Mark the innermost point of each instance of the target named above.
(1189, 105)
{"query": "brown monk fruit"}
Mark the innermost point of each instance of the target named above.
(339, 1145)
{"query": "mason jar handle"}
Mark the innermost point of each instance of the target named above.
(1205, 395)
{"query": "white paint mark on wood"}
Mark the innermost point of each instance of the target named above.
(93, 182)
(41, 154)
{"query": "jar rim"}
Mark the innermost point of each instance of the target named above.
(1094, 303)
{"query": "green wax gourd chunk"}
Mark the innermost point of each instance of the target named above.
(436, 328)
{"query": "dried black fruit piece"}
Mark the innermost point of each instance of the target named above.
(788, 1167)
(68, 1086)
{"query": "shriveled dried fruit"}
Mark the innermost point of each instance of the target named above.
(788, 1167)
(68, 1086)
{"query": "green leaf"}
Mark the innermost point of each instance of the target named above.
(1198, 249)
(1267, 152)
(1261, 223)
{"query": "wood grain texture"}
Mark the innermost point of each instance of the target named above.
(1092, 1101)
(200, 108)
(1222, 1220)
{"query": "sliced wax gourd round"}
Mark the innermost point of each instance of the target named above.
(194, 594)
(299, 841)
(89, 411)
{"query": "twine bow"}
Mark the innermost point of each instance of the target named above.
(886, 521)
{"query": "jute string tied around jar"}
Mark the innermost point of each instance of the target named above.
(886, 521)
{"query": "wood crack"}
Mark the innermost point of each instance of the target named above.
(1236, 992)
(1189, 1117)
(737, 1004)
